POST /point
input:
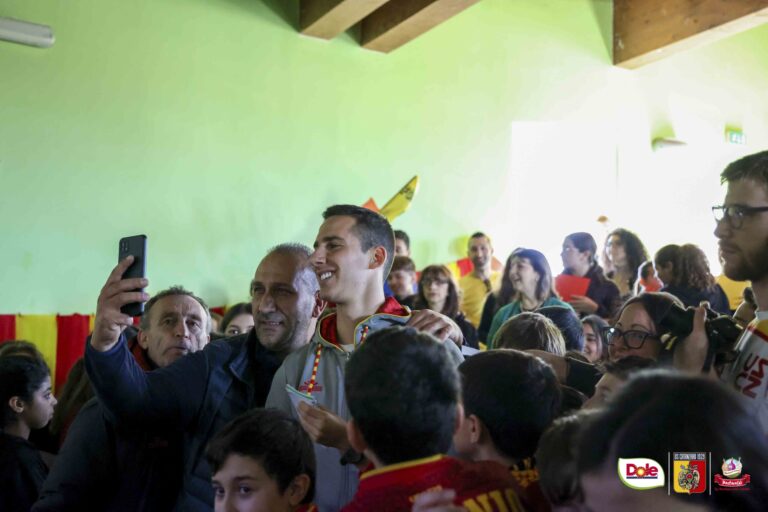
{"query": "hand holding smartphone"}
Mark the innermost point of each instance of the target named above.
(135, 246)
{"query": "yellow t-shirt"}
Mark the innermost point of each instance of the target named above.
(473, 293)
(734, 290)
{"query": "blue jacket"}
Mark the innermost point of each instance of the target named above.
(198, 394)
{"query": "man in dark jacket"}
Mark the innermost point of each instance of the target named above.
(201, 393)
(104, 466)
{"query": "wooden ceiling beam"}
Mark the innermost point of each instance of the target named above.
(646, 31)
(327, 19)
(401, 21)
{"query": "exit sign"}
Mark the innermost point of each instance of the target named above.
(734, 136)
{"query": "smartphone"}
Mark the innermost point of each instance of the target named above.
(135, 246)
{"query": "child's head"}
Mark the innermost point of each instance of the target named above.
(25, 392)
(509, 398)
(20, 348)
(262, 461)
(556, 459)
(403, 392)
(616, 375)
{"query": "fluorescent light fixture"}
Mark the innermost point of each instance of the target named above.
(24, 32)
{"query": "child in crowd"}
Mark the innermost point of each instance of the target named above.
(657, 414)
(402, 280)
(530, 331)
(509, 398)
(556, 458)
(403, 394)
(26, 403)
(616, 375)
(262, 461)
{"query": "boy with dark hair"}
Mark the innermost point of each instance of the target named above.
(401, 280)
(402, 243)
(403, 393)
(262, 461)
(353, 255)
(510, 398)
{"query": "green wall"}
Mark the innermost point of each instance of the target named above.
(217, 130)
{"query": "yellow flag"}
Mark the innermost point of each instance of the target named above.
(42, 331)
(400, 201)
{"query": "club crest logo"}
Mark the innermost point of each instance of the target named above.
(730, 479)
(641, 473)
(689, 472)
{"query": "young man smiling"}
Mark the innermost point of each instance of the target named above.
(353, 254)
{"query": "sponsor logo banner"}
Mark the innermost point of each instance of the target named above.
(689, 472)
(641, 473)
(731, 479)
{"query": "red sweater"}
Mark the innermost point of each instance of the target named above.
(486, 486)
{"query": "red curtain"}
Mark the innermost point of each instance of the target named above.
(70, 346)
(7, 327)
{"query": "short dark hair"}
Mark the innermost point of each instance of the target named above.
(480, 234)
(274, 439)
(451, 306)
(625, 367)
(403, 390)
(241, 308)
(402, 235)
(20, 375)
(371, 228)
(529, 330)
(516, 396)
(173, 290)
(752, 167)
(556, 458)
(657, 412)
(569, 324)
(302, 253)
(403, 263)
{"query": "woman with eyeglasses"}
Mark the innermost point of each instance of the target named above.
(579, 257)
(534, 288)
(684, 270)
(438, 292)
(638, 330)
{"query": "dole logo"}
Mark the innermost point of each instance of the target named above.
(641, 474)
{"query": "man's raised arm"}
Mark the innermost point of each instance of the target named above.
(110, 322)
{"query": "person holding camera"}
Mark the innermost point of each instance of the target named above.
(742, 232)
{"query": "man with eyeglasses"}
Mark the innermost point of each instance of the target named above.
(742, 232)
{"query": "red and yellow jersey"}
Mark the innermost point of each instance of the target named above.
(479, 486)
(749, 373)
(527, 477)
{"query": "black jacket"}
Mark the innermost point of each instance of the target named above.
(104, 467)
(692, 297)
(604, 292)
(22, 472)
(198, 394)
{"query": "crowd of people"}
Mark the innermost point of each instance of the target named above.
(354, 382)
